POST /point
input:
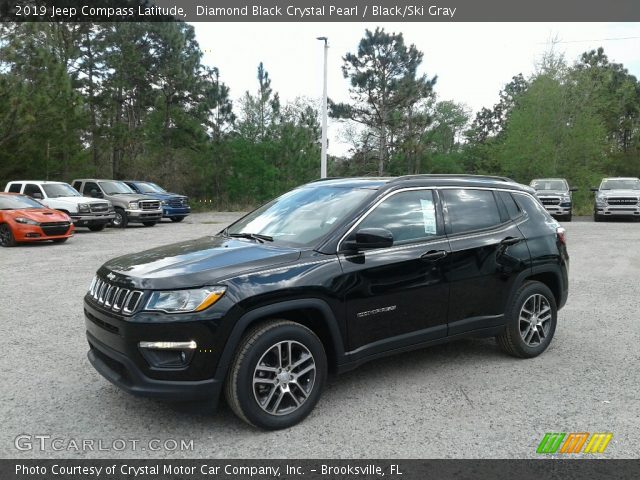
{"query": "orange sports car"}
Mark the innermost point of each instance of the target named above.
(22, 219)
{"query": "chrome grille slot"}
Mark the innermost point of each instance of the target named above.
(550, 200)
(622, 201)
(149, 205)
(112, 297)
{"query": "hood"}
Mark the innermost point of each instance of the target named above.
(620, 193)
(40, 215)
(163, 196)
(129, 197)
(77, 200)
(194, 263)
(548, 193)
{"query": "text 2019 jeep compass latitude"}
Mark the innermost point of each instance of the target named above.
(324, 278)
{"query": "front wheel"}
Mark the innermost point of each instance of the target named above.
(120, 220)
(531, 321)
(177, 219)
(6, 236)
(277, 375)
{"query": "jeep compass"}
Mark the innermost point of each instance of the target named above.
(328, 276)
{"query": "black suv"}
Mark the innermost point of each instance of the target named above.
(328, 276)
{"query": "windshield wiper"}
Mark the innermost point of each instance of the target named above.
(252, 236)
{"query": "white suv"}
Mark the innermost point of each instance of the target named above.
(84, 211)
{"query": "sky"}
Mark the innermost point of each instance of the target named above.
(472, 61)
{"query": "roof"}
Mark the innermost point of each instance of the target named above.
(39, 182)
(434, 180)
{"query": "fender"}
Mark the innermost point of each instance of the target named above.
(252, 316)
(549, 268)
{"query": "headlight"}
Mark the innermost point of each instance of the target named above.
(26, 221)
(133, 205)
(84, 207)
(180, 301)
(566, 198)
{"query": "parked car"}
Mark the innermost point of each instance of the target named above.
(555, 195)
(617, 197)
(129, 206)
(23, 219)
(324, 278)
(84, 211)
(174, 206)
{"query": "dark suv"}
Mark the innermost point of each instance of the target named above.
(328, 276)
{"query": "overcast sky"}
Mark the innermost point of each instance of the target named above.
(473, 61)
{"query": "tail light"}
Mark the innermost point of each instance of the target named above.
(561, 233)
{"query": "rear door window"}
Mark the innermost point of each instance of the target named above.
(468, 209)
(15, 187)
(88, 186)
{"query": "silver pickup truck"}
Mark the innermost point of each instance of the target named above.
(129, 206)
(617, 197)
(555, 196)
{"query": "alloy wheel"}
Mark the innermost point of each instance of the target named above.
(5, 235)
(535, 320)
(284, 377)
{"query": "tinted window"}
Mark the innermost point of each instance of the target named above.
(513, 210)
(90, 186)
(409, 216)
(15, 188)
(31, 188)
(533, 208)
(77, 185)
(471, 209)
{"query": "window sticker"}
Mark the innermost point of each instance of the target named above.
(428, 216)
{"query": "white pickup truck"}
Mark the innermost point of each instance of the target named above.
(84, 211)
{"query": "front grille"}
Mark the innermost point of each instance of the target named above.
(149, 205)
(550, 200)
(99, 207)
(114, 298)
(178, 202)
(622, 201)
(54, 228)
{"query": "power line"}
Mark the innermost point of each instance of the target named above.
(593, 40)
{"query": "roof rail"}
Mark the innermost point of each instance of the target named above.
(454, 175)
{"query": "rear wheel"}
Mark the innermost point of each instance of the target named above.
(120, 220)
(531, 321)
(277, 375)
(96, 228)
(6, 236)
(149, 224)
(177, 219)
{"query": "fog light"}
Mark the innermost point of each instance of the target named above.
(168, 354)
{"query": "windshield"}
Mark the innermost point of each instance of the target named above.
(302, 216)
(147, 187)
(114, 188)
(17, 202)
(54, 190)
(549, 185)
(620, 184)
(158, 188)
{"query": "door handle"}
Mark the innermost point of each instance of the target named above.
(510, 241)
(433, 255)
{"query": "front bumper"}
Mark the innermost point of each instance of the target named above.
(558, 210)
(90, 219)
(618, 211)
(114, 352)
(143, 215)
(35, 233)
(168, 212)
(123, 373)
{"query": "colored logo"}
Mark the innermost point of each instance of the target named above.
(583, 442)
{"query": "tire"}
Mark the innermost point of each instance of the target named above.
(60, 240)
(177, 219)
(121, 220)
(597, 218)
(149, 224)
(6, 236)
(533, 297)
(96, 228)
(283, 401)
(568, 217)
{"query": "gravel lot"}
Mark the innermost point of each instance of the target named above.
(464, 399)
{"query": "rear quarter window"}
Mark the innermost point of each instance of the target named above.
(534, 210)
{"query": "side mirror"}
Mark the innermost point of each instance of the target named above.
(594, 189)
(95, 193)
(367, 238)
(37, 195)
(574, 189)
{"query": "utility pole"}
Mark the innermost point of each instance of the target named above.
(323, 157)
